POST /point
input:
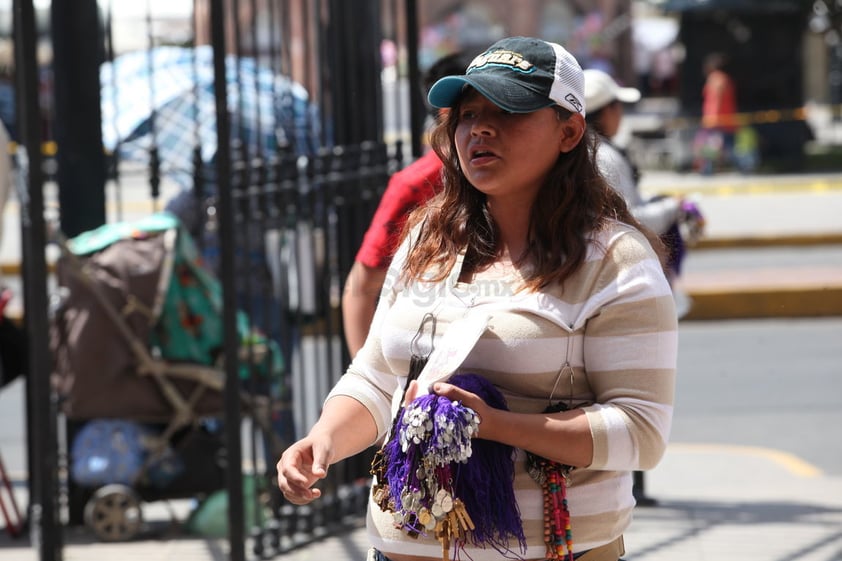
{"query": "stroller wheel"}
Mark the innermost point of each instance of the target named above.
(113, 513)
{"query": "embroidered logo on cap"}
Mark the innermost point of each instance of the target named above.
(571, 99)
(501, 57)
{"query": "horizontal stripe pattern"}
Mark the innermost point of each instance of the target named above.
(614, 323)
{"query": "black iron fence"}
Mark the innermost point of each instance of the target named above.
(274, 155)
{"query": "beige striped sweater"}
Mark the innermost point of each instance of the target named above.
(614, 323)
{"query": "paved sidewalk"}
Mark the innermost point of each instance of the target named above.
(772, 244)
(713, 502)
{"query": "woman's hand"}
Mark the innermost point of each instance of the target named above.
(301, 466)
(345, 428)
(468, 399)
(564, 437)
(411, 393)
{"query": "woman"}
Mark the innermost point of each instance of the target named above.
(526, 232)
(719, 115)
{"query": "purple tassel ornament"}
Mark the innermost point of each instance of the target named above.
(440, 480)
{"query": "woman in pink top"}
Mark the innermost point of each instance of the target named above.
(715, 142)
(719, 96)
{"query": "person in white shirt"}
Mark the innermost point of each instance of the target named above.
(604, 100)
(527, 270)
(677, 221)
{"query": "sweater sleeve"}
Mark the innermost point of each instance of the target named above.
(658, 214)
(619, 174)
(630, 353)
(369, 378)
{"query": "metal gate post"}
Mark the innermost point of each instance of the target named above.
(417, 106)
(45, 529)
(78, 53)
(233, 445)
(353, 46)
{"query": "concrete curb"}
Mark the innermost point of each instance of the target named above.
(764, 293)
(746, 242)
(765, 302)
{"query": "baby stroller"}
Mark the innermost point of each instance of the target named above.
(137, 337)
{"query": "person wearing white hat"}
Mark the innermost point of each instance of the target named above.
(601, 90)
(604, 100)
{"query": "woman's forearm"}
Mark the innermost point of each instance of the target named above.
(347, 424)
(563, 437)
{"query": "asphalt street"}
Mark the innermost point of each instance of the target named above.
(765, 384)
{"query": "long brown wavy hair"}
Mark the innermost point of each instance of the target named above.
(574, 201)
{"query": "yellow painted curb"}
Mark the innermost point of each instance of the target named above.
(762, 302)
(749, 185)
(740, 242)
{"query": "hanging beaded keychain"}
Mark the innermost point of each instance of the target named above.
(435, 479)
(552, 477)
(443, 482)
(380, 489)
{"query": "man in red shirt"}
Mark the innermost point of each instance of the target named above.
(407, 189)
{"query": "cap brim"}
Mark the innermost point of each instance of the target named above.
(509, 95)
(627, 95)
